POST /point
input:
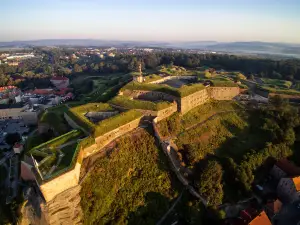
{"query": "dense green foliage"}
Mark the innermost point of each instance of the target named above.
(277, 83)
(131, 186)
(128, 103)
(210, 183)
(170, 126)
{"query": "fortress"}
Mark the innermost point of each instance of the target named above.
(138, 103)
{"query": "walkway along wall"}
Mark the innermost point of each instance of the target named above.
(166, 148)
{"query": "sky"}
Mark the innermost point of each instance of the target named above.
(151, 20)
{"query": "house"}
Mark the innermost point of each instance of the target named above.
(250, 218)
(273, 207)
(288, 189)
(284, 168)
(60, 82)
(261, 219)
(18, 148)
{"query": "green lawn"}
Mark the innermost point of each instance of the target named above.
(277, 83)
(68, 156)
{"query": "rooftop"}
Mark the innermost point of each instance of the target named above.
(261, 219)
(288, 167)
(59, 78)
(296, 181)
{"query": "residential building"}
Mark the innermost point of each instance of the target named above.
(284, 168)
(18, 111)
(60, 82)
(18, 148)
(273, 207)
(288, 189)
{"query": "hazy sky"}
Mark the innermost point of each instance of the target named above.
(151, 20)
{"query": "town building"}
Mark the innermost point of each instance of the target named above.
(284, 168)
(19, 111)
(60, 82)
(288, 189)
(18, 148)
(273, 207)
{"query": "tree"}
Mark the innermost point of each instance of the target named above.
(77, 68)
(210, 183)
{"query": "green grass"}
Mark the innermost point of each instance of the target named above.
(275, 83)
(152, 77)
(138, 104)
(183, 91)
(92, 107)
(68, 152)
(203, 112)
(116, 121)
(218, 83)
(279, 90)
(227, 135)
(74, 134)
(128, 186)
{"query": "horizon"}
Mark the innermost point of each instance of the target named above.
(152, 21)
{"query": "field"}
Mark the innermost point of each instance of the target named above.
(275, 83)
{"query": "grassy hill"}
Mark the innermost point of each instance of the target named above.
(134, 177)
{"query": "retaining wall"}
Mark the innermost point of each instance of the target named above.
(223, 93)
(191, 101)
(105, 139)
(61, 183)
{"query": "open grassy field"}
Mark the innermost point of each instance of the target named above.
(275, 83)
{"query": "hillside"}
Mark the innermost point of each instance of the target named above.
(134, 176)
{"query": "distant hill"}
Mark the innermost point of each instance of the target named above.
(230, 47)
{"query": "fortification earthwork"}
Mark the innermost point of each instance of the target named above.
(137, 103)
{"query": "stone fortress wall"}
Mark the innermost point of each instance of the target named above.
(189, 102)
(70, 179)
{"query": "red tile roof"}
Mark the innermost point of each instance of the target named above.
(59, 78)
(296, 181)
(275, 206)
(288, 167)
(261, 219)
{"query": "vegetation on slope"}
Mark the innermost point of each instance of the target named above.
(131, 186)
(128, 103)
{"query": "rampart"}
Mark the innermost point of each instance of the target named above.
(148, 95)
(191, 101)
(159, 115)
(223, 93)
(173, 78)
